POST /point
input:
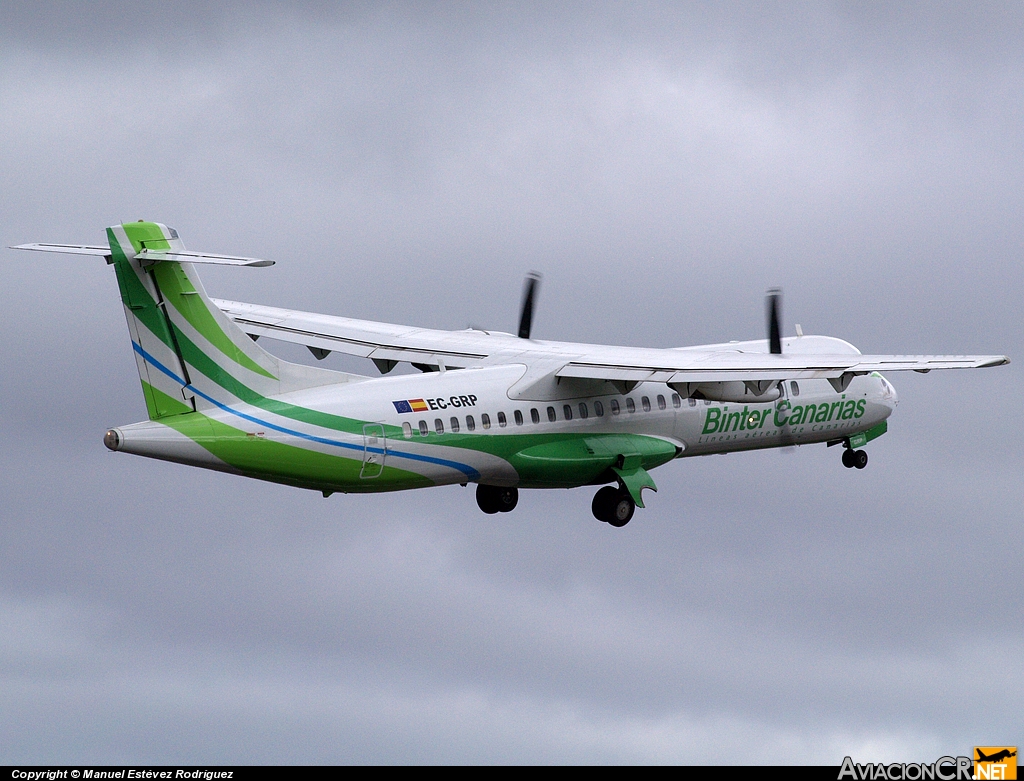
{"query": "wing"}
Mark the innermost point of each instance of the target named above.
(386, 344)
(804, 357)
(752, 367)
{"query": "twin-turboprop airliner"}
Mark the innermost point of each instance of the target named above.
(500, 410)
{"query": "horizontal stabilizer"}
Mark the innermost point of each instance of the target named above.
(68, 249)
(183, 256)
(151, 255)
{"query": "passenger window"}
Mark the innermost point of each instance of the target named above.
(661, 402)
(614, 404)
(692, 401)
(676, 401)
(423, 428)
(552, 417)
(567, 412)
(455, 425)
(519, 417)
(584, 414)
(795, 388)
(599, 409)
(630, 405)
(470, 423)
(406, 430)
(439, 425)
(535, 415)
(646, 403)
(485, 420)
(502, 422)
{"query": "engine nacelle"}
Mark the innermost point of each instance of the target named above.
(735, 391)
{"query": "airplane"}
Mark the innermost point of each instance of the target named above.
(504, 411)
(997, 757)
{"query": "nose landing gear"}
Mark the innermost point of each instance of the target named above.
(854, 458)
(613, 506)
(495, 499)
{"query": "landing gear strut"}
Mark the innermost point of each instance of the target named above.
(613, 505)
(854, 458)
(494, 499)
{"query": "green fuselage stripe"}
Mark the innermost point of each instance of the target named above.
(266, 459)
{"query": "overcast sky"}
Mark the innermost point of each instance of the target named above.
(661, 165)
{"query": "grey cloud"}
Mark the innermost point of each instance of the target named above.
(662, 166)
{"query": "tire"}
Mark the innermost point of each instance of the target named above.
(622, 510)
(848, 458)
(602, 504)
(508, 498)
(487, 499)
(860, 459)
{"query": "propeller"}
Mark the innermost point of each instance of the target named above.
(774, 309)
(526, 311)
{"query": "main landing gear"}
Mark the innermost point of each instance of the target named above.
(494, 499)
(613, 505)
(854, 458)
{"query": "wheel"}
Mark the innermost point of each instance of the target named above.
(848, 458)
(602, 504)
(508, 498)
(487, 498)
(622, 509)
(860, 459)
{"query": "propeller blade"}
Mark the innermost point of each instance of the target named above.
(774, 303)
(526, 312)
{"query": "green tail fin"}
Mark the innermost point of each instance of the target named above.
(190, 355)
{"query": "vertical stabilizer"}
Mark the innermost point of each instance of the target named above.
(190, 355)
